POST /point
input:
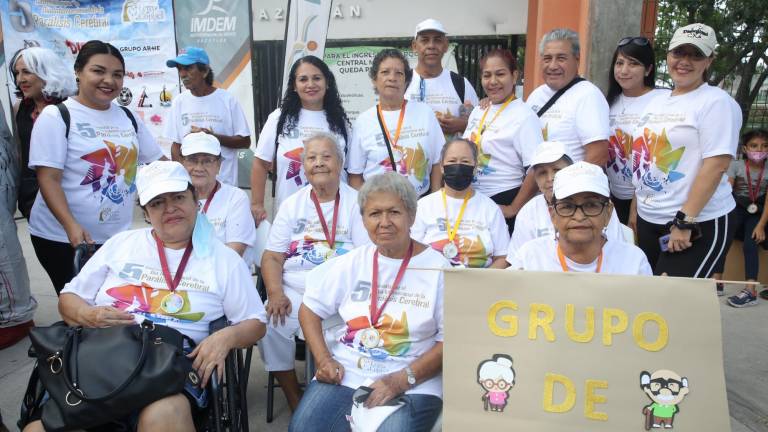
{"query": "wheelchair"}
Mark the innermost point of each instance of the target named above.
(227, 409)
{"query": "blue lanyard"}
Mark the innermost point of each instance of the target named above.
(422, 90)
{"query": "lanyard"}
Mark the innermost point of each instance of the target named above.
(482, 127)
(753, 193)
(172, 283)
(561, 258)
(452, 233)
(422, 90)
(393, 141)
(331, 239)
(210, 198)
(375, 314)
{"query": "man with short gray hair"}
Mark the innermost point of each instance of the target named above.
(571, 109)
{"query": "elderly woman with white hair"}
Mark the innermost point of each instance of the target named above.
(390, 297)
(580, 210)
(227, 207)
(41, 79)
(318, 222)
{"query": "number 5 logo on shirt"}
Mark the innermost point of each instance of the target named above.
(85, 130)
(361, 292)
(184, 119)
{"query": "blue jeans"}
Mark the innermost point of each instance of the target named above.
(747, 222)
(324, 408)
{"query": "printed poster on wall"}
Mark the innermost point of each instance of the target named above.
(141, 29)
(350, 66)
(223, 29)
(567, 352)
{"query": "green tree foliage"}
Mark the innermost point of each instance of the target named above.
(742, 35)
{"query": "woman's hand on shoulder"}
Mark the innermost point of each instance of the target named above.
(330, 371)
(387, 388)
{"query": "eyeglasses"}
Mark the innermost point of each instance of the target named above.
(637, 40)
(671, 384)
(206, 161)
(694, 53)
(589, 208)
(500, 383)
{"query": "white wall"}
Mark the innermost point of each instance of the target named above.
(355, 19)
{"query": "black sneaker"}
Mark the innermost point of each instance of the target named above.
(743, 299)
(764, 294)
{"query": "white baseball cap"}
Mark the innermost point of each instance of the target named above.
(548, 152)
(200, 142)
(699, 35)
(161, 177)
(429, 24)
(580, 177)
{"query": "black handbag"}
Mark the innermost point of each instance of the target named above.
(95, 375)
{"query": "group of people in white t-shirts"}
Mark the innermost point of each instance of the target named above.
(565, 181)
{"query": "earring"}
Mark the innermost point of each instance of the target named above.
(77, 80)
(605, 232)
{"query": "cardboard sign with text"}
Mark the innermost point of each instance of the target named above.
(581, 352)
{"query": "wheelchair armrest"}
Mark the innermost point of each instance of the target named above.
(218, 324)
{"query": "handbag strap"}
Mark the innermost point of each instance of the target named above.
(557, 95)
(70, 353)
(386, 140)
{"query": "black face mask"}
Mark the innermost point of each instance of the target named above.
(458, 176)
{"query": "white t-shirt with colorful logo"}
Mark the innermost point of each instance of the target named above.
(98, 163)
(126, 274)
(417, 149)
(578, 118)
(290, 170)
(618, 258)
(409, 326)
(624, 116)
(230, 215)
(221, 113)
(440, 93)
(533, 221)
(673, 137)
(507, 145)
(482, 233)
(298, 235)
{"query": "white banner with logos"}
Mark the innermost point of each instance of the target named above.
(142, 30)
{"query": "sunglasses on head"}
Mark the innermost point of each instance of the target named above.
(637, 40)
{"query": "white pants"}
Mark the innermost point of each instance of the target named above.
(278, 346)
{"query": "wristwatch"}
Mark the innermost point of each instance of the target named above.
(411, 376)
(685, 218)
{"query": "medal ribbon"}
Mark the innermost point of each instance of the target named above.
(753, 193)
(561, 258)
(393, 141)
(452, 233)
(375, 314)
(210, 198)
(331, 239)
(482, 127)
(172, 282)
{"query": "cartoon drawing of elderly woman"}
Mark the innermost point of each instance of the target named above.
(497, 377)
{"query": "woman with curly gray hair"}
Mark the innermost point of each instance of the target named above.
(396, 134)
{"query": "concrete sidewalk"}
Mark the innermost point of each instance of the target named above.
(745, 342)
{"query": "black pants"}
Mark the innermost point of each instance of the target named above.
(506, 198)
(57, 259)
(699, 260)
(622, 207)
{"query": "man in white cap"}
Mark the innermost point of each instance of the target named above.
(580, 211)
(449, 94)
(533, 220)
(205, 108)
(572, 110)
(226, 207)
